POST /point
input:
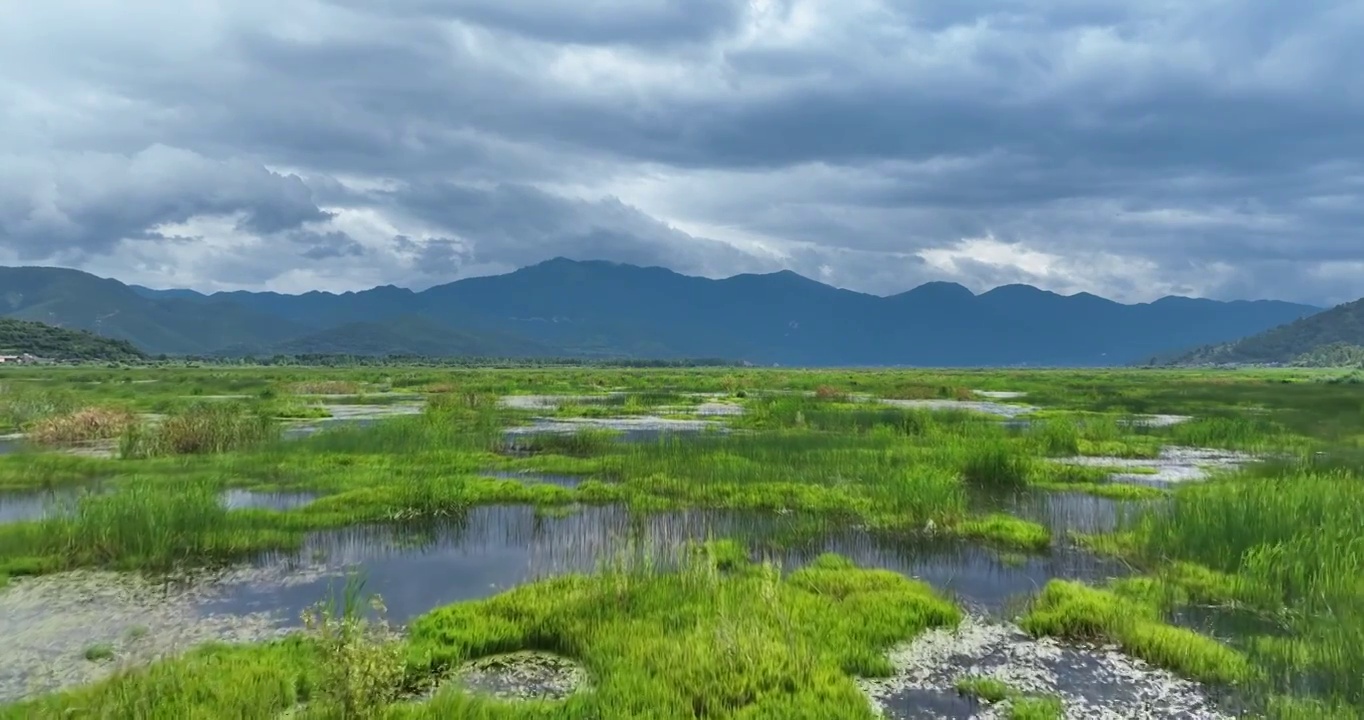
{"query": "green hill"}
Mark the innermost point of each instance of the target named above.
(1330, 338)
(18, 337)
(75, 299)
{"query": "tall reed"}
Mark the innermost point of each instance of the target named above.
(1295, 545)
(200, 429)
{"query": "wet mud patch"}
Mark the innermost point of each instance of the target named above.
(1000, 394)
(710, 406)
(352, 415)
(79, 627)
(1004, 410)
(551, 402)
(532, 478)
(525, 675)
(709, 409)
(641, 428)
(624, 424)
(26, 505)
(1092, 682)
(1154, 420)
(236, 499)
(343, 412)
(1174, 465)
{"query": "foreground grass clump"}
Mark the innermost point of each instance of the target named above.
(1289, 539)
(141, 525)
(693, 643)
(1036, 708)
(200, 429)
(1073, 610)
(996, 466)
(701, 643)
(360, 660)
(1006, 530)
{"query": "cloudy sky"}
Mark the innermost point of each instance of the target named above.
(1130, 148)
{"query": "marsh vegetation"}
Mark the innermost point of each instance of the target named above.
(563, 543)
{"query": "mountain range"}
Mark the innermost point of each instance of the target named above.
(564, 307)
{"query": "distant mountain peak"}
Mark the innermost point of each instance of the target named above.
(940, 291)
(1017, 290)
(560, 261)
(784, 275)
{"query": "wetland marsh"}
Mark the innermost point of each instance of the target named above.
(717, 543)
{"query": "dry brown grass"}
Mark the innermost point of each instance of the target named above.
(930, 392)
(83, 425)
(824, 392)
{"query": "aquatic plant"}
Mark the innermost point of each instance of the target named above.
(360, 660)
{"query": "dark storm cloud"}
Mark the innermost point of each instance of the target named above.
(1205, 145)
(604, 22)
(1134, 109)
(324, 246)
(83, 202)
